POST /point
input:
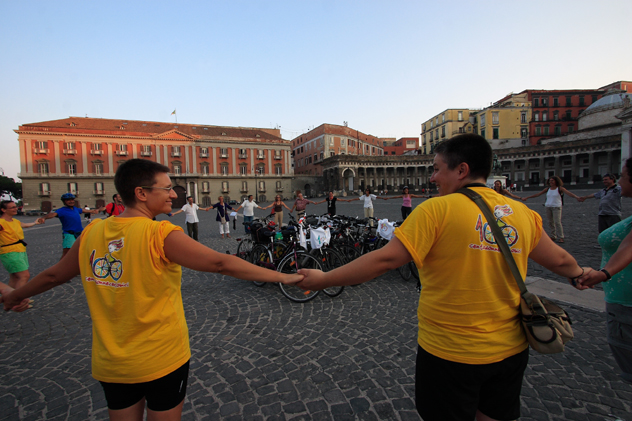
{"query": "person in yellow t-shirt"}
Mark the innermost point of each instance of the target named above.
(13, 249)
(131, 272)
(472, 352)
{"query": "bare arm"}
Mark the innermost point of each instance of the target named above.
(571, 194)
(177, 212)
(396, 197)
(283, 203)
(555, 258)
(322, 201)
(590, 196)
(29, 224)
(181, 249)
(362, 269)
(510, 194)
(536, 195)
(47, 216)
(66, 269)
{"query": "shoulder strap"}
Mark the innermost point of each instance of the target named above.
(498, 235)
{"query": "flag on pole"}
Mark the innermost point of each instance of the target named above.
(174, 111)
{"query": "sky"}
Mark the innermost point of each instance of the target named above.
(383, 66)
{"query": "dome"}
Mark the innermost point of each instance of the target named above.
(614, 99)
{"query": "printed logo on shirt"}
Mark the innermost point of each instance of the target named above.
(486, 237)
(108, 266)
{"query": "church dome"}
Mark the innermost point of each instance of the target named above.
(613, 99)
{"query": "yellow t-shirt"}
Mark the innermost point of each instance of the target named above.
(11, 232)
(468, 306)
(139, 332)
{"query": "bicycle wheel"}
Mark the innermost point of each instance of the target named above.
(405, 271)
(245, 248)
(330, 259)
(261, 256)
(290, 264)
(348, 252)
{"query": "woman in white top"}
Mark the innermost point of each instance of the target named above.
(554, 206)
(249, 212)
(367, 198)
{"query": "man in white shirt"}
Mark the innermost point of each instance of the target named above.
(367, 198)
(249, 206)
(190, 210)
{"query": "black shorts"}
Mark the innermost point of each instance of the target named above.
(446, 390)
(161, 394)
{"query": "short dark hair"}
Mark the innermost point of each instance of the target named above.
(189, 197)
(249, 196)
(610, 176)
(3, 205)
(472, 149)
(114, 196)
(136, 173)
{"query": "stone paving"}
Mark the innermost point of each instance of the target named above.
(258, 356)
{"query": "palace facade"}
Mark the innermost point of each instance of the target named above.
(80, 156)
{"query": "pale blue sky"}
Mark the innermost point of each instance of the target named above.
(385, 67)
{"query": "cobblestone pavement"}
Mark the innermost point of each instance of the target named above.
(257, 355)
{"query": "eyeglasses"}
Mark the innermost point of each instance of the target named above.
(155, 187)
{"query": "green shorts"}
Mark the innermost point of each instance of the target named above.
(15, 262)
(68, 241)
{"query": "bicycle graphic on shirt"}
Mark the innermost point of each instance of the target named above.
(108, 265)
(509, 232)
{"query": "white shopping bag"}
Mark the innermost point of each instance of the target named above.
(319, 237)
(385, 229)
(301, 237)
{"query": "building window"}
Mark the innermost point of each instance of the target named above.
(96, 149)
(569, 101)
(243, 170)
(483, 133)
(261, 169)
(175, 151)
(536, 116)
(523, 132)
(145, 150)
(523, 117)
(443, 118)
(225, 187)
(571, 128)
(98, 189)
(558, 130)
(177, 169)
(72, 168)
(495, 133)
(121, 149)
(260, 154)
(556, 115)
(205, 169)
(544, 101)
(205, 187)
(536, 102)
(223, 152)
(544, 115)
(569, 114)
(244, 186)
(555, 102)
(593, 99)
(203, 152)
(538, 130)
(278, 170)
(243, 153)
(279, 186)
(581, 101)
(495, 118)
(460, 117)
(482, 120)
(43, 168)
(72, 188)
(70, 148)
(262, 186)
(546, 130)
(224, 168)
(44, 189)
(277, 155)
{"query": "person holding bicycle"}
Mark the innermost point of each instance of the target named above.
(140, 337)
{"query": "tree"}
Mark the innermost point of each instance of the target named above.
(9, 186)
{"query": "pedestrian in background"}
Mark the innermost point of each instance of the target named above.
(249, 206)
(222, 216)
(300, 204)
(498, 186)
(87, 215)
(407, 206)
(190, 210)
(140, 338)
(116, 207)
(553, 204)
(331, 203)
(367, 200)
(277, 207)
(609, 203)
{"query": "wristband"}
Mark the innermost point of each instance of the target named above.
(608, 276)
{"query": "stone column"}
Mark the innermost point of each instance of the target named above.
(591, 166)
(214, 154)
(194, 168)
(84, 157)
(542, 171)
(57, 157)
(110, 153)
(574, 170)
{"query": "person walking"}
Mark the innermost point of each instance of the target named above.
(498, 187)
(86, 214)
(472, 351)
(190, 210)
(367, 199)
(277, 207)
(615, 276)
(331, 203)
(300, 204)
(116, 207)
(13, 249)
(553, 204)
(249, 206)
(406, 197)
(68, 215)
(609, 203)
(223, 218)
(140, 339)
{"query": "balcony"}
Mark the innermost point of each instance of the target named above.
(174, 154)
(244, 190)
(98, 192)
(38, 150)
(70, 151)
(279, 189)
(96, 152)
(262, 189)
(261, 157)
(225, 190)
(44, 193)
(203, 154)
(243, 155)
(223, 155)
(120, 153)
(277, 157)
(145, 153)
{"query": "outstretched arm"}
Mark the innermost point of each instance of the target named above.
(535, 195)
(619, 261)
(177, 212)
(29, 224)
(557, 260)
(283, 203)
(581, 199)
(47, 216)
(322, 201)
(510, 194)
(362, 269)
(571, 194)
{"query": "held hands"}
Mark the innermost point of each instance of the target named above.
(10, 303)
(591, 278)
(313, 280)
(41, 221)
(581, 199)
